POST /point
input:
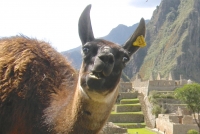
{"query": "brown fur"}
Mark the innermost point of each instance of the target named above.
(31, 73)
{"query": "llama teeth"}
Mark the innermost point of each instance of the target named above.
(93, 76)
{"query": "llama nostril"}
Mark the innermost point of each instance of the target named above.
(107, 59)
(111, 60)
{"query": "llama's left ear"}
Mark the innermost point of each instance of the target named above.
(85, 27)
(137, 39)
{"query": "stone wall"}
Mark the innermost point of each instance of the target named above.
(187, 119)
(163, 124)
(174, 124)
(170, 104)
(183, 128)
(183, 111)
(149, 108)
(141, 86)
(126, 118)
(125, 95)
(160, 85)
(128, 108)
(125, 86)
(169, 101)
(111, 128)
(172, 108)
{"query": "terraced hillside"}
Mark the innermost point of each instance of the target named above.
(128, 112)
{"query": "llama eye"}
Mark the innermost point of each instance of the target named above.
(125, 59)
(85, 50)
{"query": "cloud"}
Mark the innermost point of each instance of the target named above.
(144, 3)
(57, 21)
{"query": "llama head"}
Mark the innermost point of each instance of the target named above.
(103, 61)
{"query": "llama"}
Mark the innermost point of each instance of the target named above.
(40, 93)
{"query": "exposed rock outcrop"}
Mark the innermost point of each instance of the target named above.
(111, 128)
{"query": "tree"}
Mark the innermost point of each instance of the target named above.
(190, 95)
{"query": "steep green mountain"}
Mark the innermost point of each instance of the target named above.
(173, 39)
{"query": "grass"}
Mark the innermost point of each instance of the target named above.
(140, 112)
(140, 131)
(131, 125)
(136, 99)
(129, 101)
(137, 104)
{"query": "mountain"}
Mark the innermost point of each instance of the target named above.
(74, 56)
(121, 33)
(118, 35)
(173, 40)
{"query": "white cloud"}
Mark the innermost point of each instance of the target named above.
(57, 21)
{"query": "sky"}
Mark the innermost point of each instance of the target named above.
(56, 21)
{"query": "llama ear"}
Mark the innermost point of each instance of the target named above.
(137, 39)
(85, 27)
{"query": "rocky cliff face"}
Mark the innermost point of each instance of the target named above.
(173, 39)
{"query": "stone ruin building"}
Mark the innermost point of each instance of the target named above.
(159, 84)
(176, 123)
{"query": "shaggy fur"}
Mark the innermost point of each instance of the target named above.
(31, 71)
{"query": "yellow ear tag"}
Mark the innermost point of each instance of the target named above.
(140, 41)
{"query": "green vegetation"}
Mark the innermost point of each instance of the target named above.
(154, 98)
(190, 95)
(131, 125)
(192, 131)
(157, 109)
(113, 112)
(140, 131)
(157, 94)
(126, 124)
(137, 104)
(129, 101)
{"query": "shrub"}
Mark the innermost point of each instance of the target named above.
(156, 110)
(192, 131)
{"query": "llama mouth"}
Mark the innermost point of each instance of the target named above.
(96, 75)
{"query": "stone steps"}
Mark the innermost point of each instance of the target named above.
(128, 113)
(131, 125)
(128, 108)
(129, 101)
(127, 117)
(124, 95)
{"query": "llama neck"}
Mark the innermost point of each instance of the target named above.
(79, 113)
(90, 114)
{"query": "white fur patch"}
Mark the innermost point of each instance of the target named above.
(95, 96)
(83, 93)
